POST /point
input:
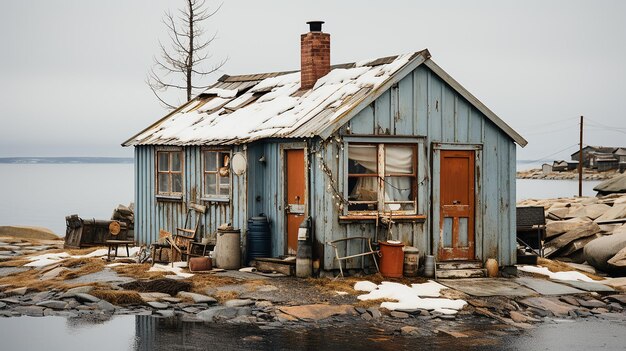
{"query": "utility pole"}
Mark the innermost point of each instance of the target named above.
(580, 160)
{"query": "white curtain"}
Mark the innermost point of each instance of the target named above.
(398, 159)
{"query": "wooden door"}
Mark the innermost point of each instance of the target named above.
(295, 190)
(456, 194)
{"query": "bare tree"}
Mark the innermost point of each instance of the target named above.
(183, 63)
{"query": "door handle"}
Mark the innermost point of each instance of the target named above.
(456, 202)
(297, 199)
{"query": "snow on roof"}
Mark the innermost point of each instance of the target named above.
(242, 109)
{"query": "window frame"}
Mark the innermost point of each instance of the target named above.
(381, 174)
(170, 193)
(216, 197)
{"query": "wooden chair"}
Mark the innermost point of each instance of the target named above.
(188, 233)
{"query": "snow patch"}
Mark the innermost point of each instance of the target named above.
(177, 269)
(223, 93)
(571, 275)
(46, 259)
(365, 286)
(411, 297)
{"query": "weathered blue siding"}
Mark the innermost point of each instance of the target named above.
(153, 214)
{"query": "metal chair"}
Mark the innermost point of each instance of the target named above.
(365, 251)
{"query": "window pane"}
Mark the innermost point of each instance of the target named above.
(163, 161)
(224, 185)
(163, 184)
(363, 189)
(176, 161)
(210, 163)
(209, 184)
(177, 182)
(362, 159)
(399, 159)
(398, 189)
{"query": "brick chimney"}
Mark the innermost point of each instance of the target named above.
(314, 55)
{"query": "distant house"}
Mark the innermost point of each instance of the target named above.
(603, 162)
(559, 166)
(588, 151)
(546, 168)
(346, 145)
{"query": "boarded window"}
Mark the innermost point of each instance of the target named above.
(382, 178)
(169, 172)
(216, 174)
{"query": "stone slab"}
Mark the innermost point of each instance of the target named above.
(105, 276)
(547, 287)
(318, 311)
(488, 287)
(587, 286)
(551, 304)
(4, 271)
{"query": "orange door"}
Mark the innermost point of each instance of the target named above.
(296, 196)
(456, 240)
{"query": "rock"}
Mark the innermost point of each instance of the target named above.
(366, 316)
(53, 273)
(453, 333)
(32, 311)
(408, 330)
(215, 313)
(42, 296)
(54, 304)
(549, 304)
(375, 312)
(618, 298)
(598, 252)
(238, 303)
(592, 211)
(106, 306)
(582, 231)
(166, 313)
(2, 305)
(171, 299)
(16, 291)
(197, 298)
(78, 290)
(263, 304)
(240, 320)
(401, 315)
(570, 300)
(557, 212)
(157, 305)
(520, 318)
(318, 311)
(599, 310)
(591, 303)
(619, 260)
(153, 296)
(84, 297)
(615, 212)
(266, 288)
(284, 318)
(555, 228)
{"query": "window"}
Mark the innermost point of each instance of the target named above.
(170, 173)
(216, 174)
(382, 178)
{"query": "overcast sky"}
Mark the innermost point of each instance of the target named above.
(72, 72)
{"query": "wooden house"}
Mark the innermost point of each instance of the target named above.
(559, 166)
(546, 168)
(349, 145)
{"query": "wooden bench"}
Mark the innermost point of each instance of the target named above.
(365, 251)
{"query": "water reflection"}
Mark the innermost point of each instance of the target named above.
(148, 333)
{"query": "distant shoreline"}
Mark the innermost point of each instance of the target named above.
(65, 160)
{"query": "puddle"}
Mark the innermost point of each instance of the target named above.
(149, 333)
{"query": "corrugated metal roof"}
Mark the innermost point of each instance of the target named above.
(244, 108)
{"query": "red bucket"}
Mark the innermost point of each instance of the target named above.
(391, 260)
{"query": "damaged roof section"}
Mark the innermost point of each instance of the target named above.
(241, 109)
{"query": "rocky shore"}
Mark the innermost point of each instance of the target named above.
(39, 279)
(588, 174)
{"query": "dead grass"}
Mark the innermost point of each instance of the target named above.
(225, 295)
(168, 286)
(202, 282)
(80, 266)
(30, 279)
(138, 271)
(556, 266)
(330, 286)
(14, 263)
(118, 297)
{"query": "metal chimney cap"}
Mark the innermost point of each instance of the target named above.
(315, 26)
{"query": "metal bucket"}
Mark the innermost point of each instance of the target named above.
(411, 261)
(429, 266)
(227, 249)
(391, 259)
